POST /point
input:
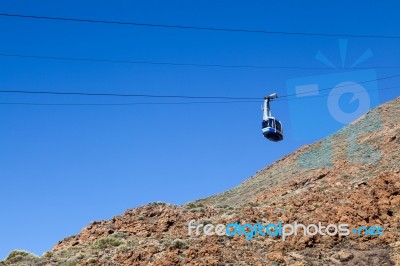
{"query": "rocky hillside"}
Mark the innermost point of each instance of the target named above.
(351, 177)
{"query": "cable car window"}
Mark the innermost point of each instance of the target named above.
(278, 126)
(271, 123)
(264, 124)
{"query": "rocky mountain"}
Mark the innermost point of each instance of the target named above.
(351, 177)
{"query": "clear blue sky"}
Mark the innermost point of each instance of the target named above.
(64, 166)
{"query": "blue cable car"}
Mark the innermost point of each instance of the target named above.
(271, 128)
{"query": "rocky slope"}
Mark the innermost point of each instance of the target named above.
(351, 177)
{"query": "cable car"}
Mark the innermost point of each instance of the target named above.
(271, 127)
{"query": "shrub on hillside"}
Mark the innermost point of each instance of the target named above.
(107, 242)
(21, 256)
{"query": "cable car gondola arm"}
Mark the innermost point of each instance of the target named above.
(267, 109)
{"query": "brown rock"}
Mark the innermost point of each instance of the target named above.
(345, 255)
(275, 256)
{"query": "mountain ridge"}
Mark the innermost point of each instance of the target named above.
(352, 177)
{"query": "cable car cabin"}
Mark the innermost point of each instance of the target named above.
(272, 129)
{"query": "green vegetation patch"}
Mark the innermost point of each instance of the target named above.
(107, 242)
(21, 256)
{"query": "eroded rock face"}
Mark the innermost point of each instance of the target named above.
(156, 234)
(352, 193)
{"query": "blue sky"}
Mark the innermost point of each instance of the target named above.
(64, 166)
